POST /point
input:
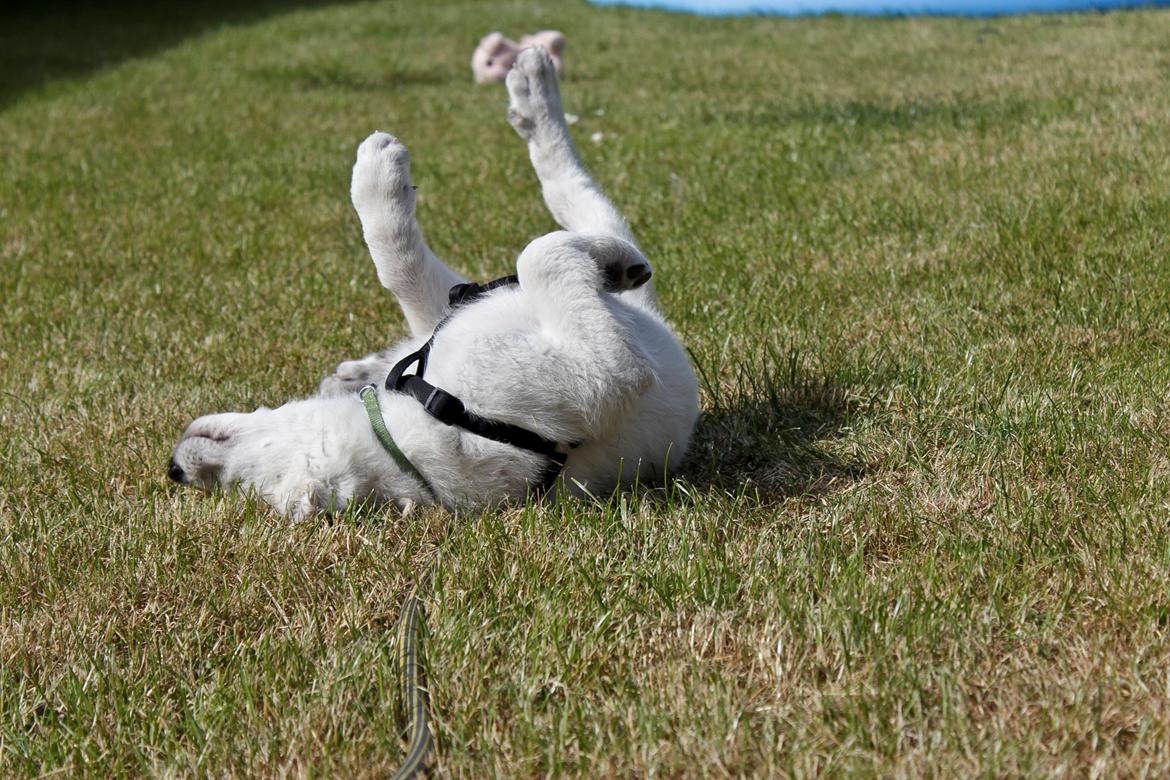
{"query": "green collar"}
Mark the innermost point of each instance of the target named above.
(369, 396)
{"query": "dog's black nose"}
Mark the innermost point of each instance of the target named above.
(175, 472)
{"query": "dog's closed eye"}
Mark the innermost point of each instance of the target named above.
(218, 438)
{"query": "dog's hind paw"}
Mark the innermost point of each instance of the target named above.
(534, 100)
(622, 266)
(620, 277)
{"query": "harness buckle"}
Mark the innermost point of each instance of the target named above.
(444, 406)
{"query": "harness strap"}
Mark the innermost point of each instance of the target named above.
(448, 409)
(469, 291)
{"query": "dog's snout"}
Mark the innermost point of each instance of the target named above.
(176, 473)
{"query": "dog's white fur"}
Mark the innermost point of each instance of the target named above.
(569, 353)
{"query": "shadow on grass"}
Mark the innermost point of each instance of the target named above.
(41, 42)
(769, 427)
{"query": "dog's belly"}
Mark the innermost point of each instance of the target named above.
(496, 357)
(655, 437)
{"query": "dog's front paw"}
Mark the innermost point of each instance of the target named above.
(534, 100)
(381, 187)
(352, 375)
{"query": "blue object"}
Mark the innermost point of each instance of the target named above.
(881, 7)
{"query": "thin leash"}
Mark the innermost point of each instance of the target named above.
(414, 698)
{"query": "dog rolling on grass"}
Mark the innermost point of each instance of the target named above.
(567, 369)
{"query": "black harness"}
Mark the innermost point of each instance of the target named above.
(449, 410)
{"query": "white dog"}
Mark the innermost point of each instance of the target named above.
(574, 362)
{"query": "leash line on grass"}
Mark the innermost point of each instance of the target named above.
(413, 692)
(414, 700)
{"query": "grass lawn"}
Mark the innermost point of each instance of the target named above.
(921, 264)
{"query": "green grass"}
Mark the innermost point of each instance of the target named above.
(921, 265)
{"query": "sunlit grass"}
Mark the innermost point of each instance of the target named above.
(921, 266)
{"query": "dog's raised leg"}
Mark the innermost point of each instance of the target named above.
(565, 275)
(572, 196)
(384, 198)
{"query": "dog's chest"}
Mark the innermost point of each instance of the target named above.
(489, 342)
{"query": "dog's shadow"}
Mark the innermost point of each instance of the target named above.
(774, 428)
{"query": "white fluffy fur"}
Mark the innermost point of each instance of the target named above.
(570, 354)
